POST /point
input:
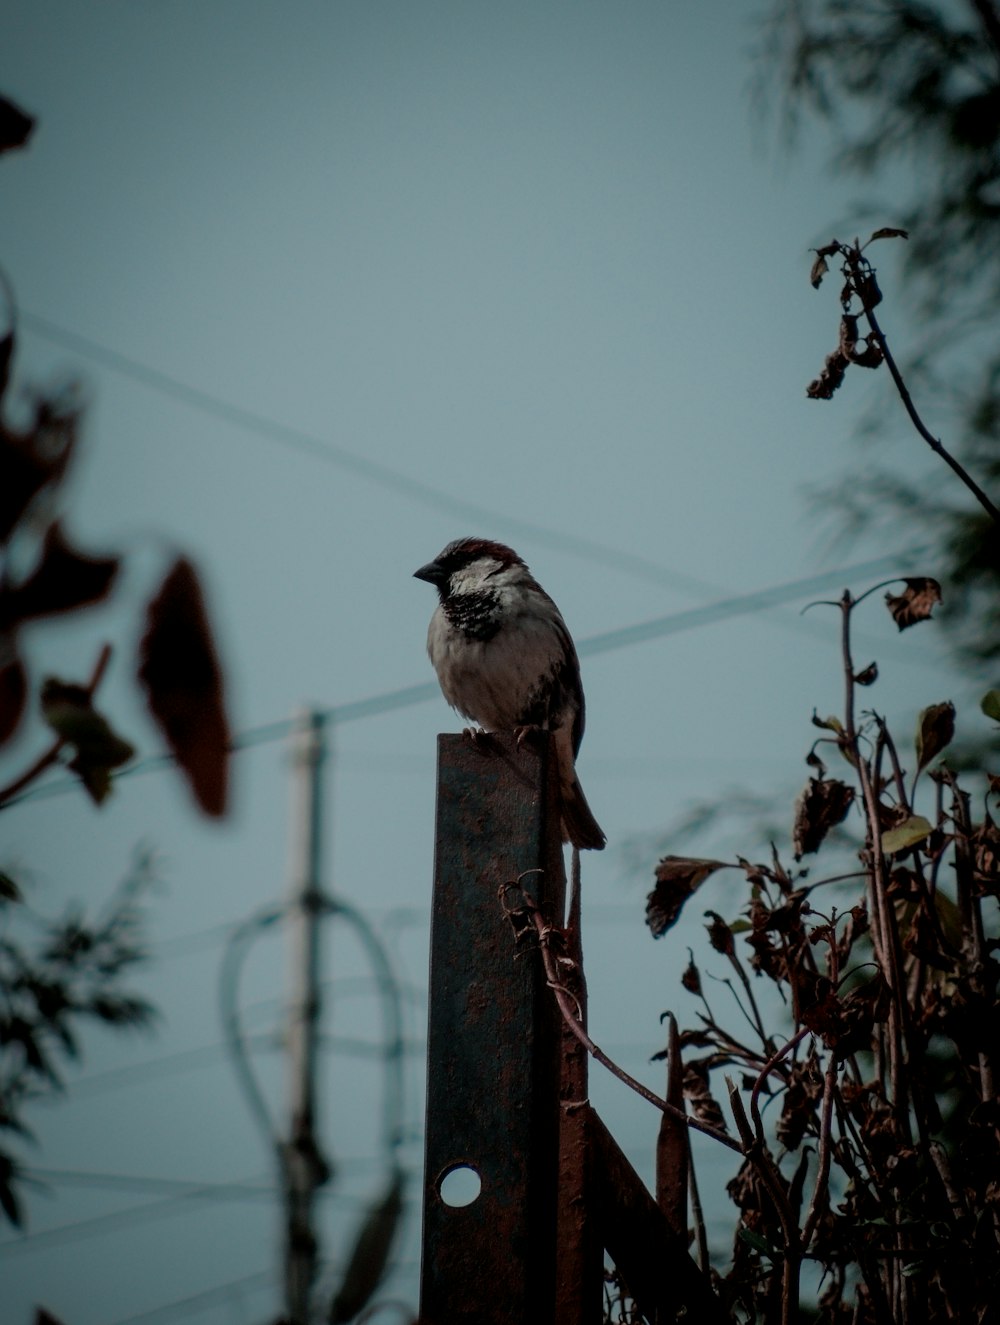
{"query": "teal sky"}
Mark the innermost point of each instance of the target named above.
(343, 281)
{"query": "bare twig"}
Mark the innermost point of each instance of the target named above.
(549, 937)
(863, 280)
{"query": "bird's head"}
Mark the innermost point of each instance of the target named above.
(468, 565)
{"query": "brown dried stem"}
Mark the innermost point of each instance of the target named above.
(549, 937)
(862, 278)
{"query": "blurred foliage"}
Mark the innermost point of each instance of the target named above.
(903, 84)
(60, 976)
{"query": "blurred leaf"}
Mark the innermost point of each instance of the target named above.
(819, 269)
(32, 459)
(915, 603)
(907, 834)
(122, 1010)
(43, 1317)
(677, 878)
(370, 1254)
(889, 232)
(8, 1198)
(63, 581)
(822, 804)
(69, 711)
(935, 731)
(6, 356)
(13, 692)
(15, 126)
(868, 676)
(9, 890)
(990, 704)
(829, 724)
(180, 671)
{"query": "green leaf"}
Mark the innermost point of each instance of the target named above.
(759, 1244)
(70, 713)
(907, 834)
(990, 704)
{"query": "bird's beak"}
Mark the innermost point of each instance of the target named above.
(431, 573)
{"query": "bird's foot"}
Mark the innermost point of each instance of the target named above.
(477, 738)
(525, 733)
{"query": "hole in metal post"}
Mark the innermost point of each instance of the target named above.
(459, 1185)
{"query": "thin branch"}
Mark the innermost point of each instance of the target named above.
(548, 936)
(863, 282)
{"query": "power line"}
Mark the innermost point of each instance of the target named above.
(80, 1229)
(641, 633)
(320, 448)
(124, 1182)
(195, 1303)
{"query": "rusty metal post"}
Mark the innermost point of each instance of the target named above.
(493, 1041)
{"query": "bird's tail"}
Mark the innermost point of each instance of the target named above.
(579, 825)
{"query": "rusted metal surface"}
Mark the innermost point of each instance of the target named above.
(493, 1041)
(651, 1258)
(672, 1148)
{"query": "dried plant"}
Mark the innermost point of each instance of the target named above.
(868, 1124)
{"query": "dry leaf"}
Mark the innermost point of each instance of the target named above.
(822, 804)
(677, 877)
(823, 387)
(916, 601)
(63, 581)
(179, 668)
(935, 730)
(13, 692)
(31, 459)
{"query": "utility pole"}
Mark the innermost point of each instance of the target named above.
(302, 1163)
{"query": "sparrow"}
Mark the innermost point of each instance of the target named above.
(505, 660)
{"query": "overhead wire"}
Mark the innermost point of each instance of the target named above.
(321, 448)
(607, 641)
(194, 1303)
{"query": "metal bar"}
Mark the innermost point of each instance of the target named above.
(652, 1259)
(580, 1263)
(672, 1144)
(493, 1040)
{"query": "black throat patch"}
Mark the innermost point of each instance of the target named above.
(474, 614)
